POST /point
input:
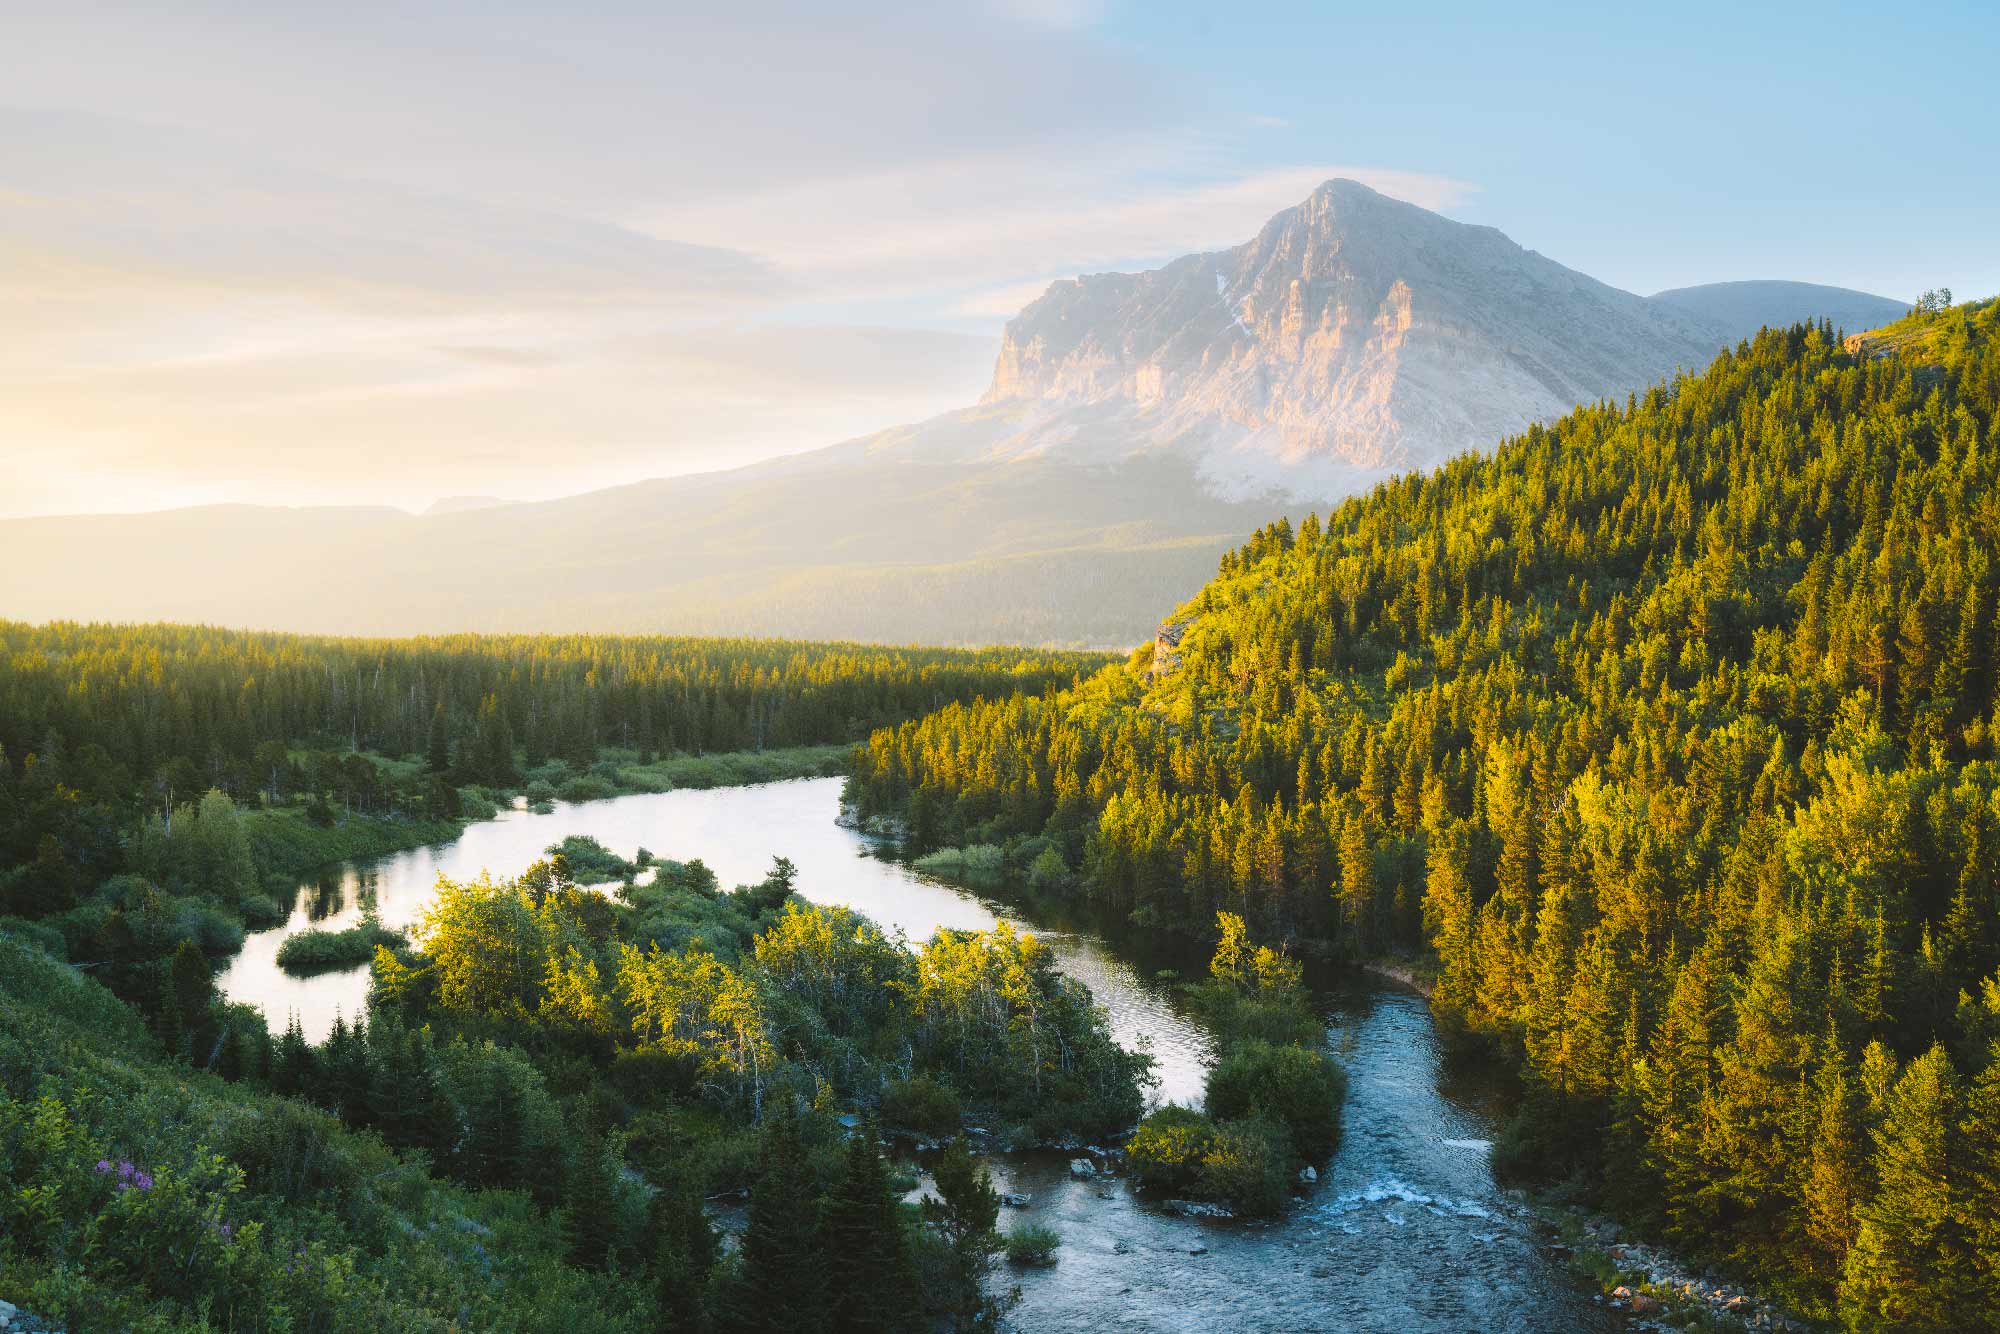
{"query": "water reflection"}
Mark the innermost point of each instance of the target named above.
(1406, 1230)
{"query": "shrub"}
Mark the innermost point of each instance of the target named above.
(261, 911)
(539, 791)
(586, 787)
(1032, 1245)
(1048, 871)
(318, 951)
(211, 927)
(1167, 1150)
(921, 1104)
(1299, 1089)
(983, 865)
(590, 862)
(1248, 1166)
(40, 933)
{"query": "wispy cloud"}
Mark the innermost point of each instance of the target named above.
(982, 227)
(376, 252)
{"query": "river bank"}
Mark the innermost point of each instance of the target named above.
(1404, 1230)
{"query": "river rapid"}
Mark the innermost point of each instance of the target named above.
(1405, 1230)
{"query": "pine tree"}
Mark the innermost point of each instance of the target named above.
(1907, 1258)
(1979, 1188)
(872, 1285)
(591, 1206)
(965, 1215)
(437, 751)
(189, 991)
(684, 1257)
(780, 1281)
(1833, 1182)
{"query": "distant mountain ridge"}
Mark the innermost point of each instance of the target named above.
(1136, 426)
(1354, 336)
(1738, 310)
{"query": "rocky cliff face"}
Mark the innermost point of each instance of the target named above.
(1354, 336)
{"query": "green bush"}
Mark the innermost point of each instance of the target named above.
(1298, 1088)
(43, 934)
(921, 1104)
(1167, 1150)
(1248, 1166)
(318, 951)
(1048, 871)
(261, 911)
(210, 926)
(590, 862)
(1032, 1245)
(982, 866)
(586, 787)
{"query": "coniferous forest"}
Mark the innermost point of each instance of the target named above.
(550, 1081)
(1660, 745)
(1664, 739)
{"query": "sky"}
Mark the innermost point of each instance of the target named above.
(377, 253)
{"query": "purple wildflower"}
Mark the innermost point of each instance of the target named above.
(103, 1166)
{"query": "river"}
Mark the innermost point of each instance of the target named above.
(1405, 1231)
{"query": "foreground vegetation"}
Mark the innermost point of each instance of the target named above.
(521, 1133)
(547, 1085)
(1271, 1107)
(1669, 731)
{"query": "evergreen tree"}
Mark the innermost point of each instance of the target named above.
(591, 1205)
(437, 749)
(965, 1215)
(684, 1258)
(780, 1283)
(872, 1284)
(1979, 1189)
(1907, 1264)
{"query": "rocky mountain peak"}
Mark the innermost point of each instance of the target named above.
(1354, 335)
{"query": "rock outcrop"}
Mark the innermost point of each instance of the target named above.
(1353, 336)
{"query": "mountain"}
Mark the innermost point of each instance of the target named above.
(1135, 427)
(1355, 335)
(460, 504)
(1738, 310)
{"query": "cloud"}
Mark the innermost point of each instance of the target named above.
(372, 413)
(376, 251)
(151, 206)
(981, 228)
(599, 104)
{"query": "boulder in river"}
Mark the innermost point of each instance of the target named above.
(1308, 1174)
(1015, 1200)
(1199, 1209)
(1082, 1168)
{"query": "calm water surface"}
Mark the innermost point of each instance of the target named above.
(1406, 1230)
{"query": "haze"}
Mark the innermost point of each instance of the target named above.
(372, 255)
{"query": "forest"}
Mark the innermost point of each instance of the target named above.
(1664, 739)
(552, 1084)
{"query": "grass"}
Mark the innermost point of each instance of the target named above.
(981, 866)
(731, 768)
(1032, 1245)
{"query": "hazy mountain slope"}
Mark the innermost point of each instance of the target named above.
(886, 550)
(1738, 310)
(1136, 425)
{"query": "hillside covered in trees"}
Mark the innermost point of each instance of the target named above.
(1667, 734)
